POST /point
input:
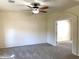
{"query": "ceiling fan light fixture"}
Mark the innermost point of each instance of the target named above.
(35, 10)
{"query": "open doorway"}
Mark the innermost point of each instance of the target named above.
(64, 33)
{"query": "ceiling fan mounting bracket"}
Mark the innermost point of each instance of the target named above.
(35, 4)
(11, 1)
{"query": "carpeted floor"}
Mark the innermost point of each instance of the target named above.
(40, 51)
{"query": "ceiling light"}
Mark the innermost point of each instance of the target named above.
(35, 10)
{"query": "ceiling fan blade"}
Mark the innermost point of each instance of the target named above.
(45, 7)
(43, 11)
(23, 3)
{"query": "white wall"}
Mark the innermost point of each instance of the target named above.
(2, 43)
(22, 28)
(51, 39)
(51, 32)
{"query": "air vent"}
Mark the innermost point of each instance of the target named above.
(11, 1)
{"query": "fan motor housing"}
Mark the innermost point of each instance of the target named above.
(35, 7)
(36, 4)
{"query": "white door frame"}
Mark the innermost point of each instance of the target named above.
(74, 36)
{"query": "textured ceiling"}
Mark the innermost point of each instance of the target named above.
(53, 4)
(74, 10)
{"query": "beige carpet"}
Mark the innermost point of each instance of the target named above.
(41, 51)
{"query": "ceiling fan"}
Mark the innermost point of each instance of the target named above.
(36, 6)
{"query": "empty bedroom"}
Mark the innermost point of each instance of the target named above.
(39, 29)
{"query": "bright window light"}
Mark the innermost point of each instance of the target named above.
(63, 30)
